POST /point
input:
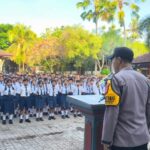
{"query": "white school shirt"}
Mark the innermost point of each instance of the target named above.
(40, 90)
(54, 91)
(2, 86)
(102, 86)
(17, 87)
(71, 88)
(95, 89)
(23, 91)
(47, 88)
(9, 90)
(33, 89)
(92, 89)
(64, 89)
(79, 90)
(59, 86)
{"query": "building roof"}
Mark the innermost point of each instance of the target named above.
(4, 54)
(142, 59)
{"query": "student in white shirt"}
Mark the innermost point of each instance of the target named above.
(64, 103)
(8, 102)
(25, 102)
(39, 103)
(52, 102)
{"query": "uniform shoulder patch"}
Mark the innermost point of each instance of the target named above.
(112, 98)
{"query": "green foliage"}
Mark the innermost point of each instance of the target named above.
(138, 48)
(121, 16)
(78, 44)
(21, 38)
(144, 28)
(97, 9)
(133, 31)
(105, 71)
(110, 40)
(66, 48)
(4, 41)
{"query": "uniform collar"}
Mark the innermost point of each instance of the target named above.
(127, 68)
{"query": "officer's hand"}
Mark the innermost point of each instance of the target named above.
(106, 147)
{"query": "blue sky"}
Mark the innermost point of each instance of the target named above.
(41, 14)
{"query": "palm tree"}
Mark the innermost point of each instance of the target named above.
(95, 10)
(123, 5)
(144, 27)
(21, 38)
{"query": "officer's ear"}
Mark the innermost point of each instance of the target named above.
(119, 60)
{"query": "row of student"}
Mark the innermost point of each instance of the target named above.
(28, 96)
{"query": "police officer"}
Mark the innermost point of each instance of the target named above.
(127, 99)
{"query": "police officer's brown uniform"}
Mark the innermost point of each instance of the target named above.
(127, 115)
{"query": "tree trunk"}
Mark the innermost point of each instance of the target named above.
(125, 36)
(1, 65)
(96, 31)
(101, 64)
(19, 68)
(23, 67)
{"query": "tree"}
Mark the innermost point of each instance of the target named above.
(78, 44)
(22, 39)
(45, 51)
(133, 31)
(138, 48)
(110, 40)
(4, 40)
(95, 10)
(133, 7)
(144, 27)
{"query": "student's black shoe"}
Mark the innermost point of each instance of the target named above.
(49, 118)
(34, 115)
(72, 111)
(41, 119)
(67, 116)
(56, 113)
(10, 122)
(53, 117)
(31, 115)
(37, 119)
(45, 113)
(27, 120)
(75, 115)
(79, 115)
(21, 121)
(59, 112)
(63, 117)
(4, 122)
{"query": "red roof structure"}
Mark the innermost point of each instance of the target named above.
(143, 63)
(142, 59)
(4, 54)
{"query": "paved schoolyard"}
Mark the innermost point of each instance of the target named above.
(60, 134)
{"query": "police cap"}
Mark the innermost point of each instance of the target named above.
(122, 52)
